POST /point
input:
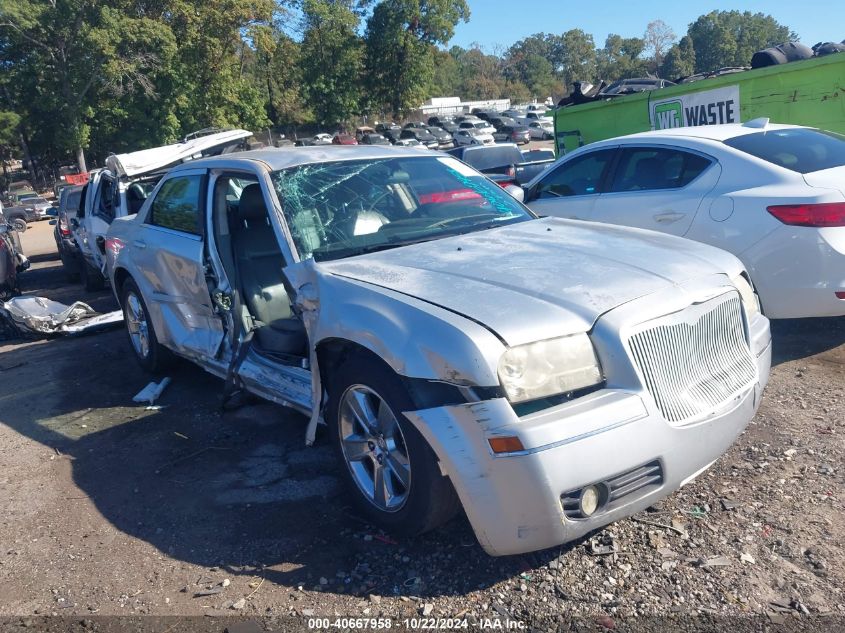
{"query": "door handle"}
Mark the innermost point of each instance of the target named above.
(139, 244)
(670, 216)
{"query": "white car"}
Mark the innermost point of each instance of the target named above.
(472, 136)
(478, 125)
(773, 195)
(541, 129)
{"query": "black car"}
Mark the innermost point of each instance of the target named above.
(500, 121)
(69, 202)
(422, 135)
(12, 260)
(374, 139)
(440, 120)
(444, 139)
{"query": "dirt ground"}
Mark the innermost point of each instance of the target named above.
(113, 509)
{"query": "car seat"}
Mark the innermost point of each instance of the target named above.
(260, 263)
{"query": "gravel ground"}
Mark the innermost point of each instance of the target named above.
(112, 509)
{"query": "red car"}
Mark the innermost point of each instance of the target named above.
(344, 139)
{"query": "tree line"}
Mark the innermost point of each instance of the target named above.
(100, 76)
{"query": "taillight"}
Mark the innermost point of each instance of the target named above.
(825, 214)
(840, 295)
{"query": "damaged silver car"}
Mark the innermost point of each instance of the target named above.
(547, 376)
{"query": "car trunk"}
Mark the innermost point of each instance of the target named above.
(833, 178)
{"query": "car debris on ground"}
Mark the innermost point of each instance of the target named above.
(42, 316)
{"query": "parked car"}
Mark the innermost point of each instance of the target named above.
(383, 128)
(546, 396)
(472, 136)
(374, 139)
(480, 126)
(69, 201)
(773, 195)
(409, 142)
(444, 139)
(502, 163)
(440, 120)
(415, 124)
(543, 130)
(12, 259)
(344, 139)
(499, 122)
(450, 126)
(531, 117)
(36, 207)
(123, 185)
(18, 217)
(422, 135)
(512, 134)
(533, 155)
(362, 131)
(318, 139)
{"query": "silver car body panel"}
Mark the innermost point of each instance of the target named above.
(446, 310)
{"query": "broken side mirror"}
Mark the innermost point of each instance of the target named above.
(518, 193)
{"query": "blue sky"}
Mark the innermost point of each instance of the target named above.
(502, 22)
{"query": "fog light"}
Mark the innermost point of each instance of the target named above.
(589, 500)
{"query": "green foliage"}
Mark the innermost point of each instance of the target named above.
(331, 59)
(401, 40)
(680, 60)
(730, 38)
(120, 75)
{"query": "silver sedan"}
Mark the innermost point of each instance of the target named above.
(547, 376)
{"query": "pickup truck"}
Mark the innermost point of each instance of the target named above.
(502, 163)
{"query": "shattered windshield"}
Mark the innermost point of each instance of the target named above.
(346, 208)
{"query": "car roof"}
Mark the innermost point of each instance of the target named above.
(721, 132)
(276, 158)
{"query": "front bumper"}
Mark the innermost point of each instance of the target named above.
(514, 501)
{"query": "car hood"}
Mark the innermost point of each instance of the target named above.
(156, 158)
(538, 279)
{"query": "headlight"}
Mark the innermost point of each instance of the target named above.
(749, 297)
(547, 368)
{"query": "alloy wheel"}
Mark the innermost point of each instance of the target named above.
(136, 325)
(374, 448)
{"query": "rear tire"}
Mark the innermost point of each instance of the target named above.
(376, 443)
(71, 267)
(19, 224)
(91, 278)
(150, 354)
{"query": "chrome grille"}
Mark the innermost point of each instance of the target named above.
(695, 360)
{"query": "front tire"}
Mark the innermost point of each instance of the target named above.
(391, 470)
(19, 224)
(150, 354)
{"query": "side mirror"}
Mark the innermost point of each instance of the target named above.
(518, 193)
(53, 222)
(74, 223)
(53, 213)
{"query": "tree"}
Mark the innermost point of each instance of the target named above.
(9, 135)
(658, 37)
(730, 38)
(400, 39)
(621, 58)
(331, 59)
(64, 55)
(680, 60)
(577, 57)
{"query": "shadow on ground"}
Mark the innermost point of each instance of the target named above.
(238, 490)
